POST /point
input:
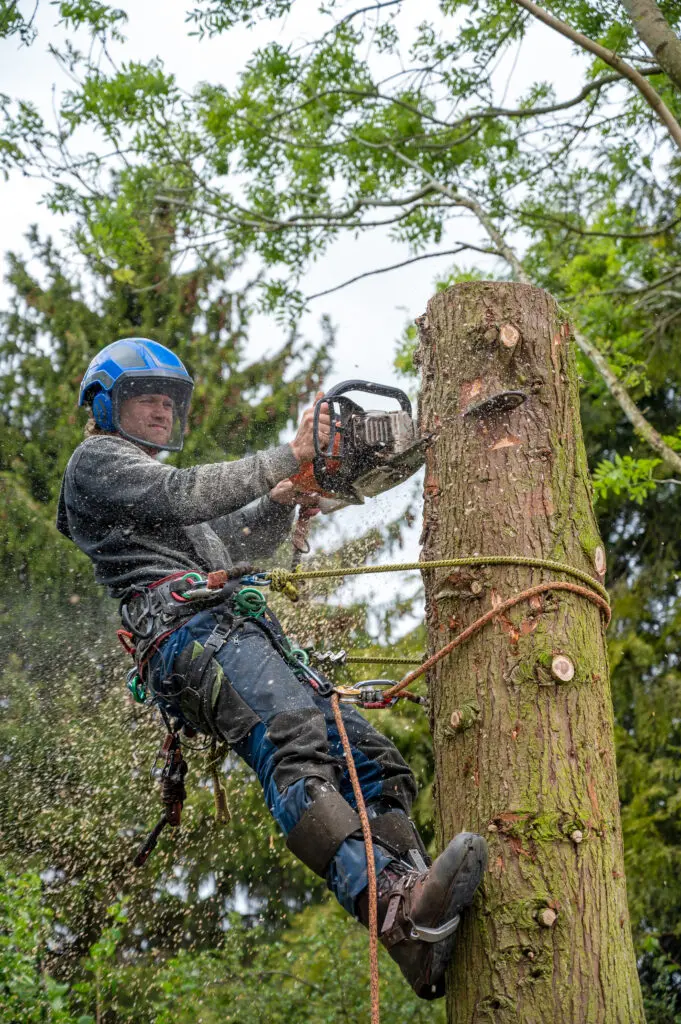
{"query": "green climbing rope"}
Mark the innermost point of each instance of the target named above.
(283, 580)
(365, 659)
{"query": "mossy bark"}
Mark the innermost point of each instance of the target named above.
(524, 748)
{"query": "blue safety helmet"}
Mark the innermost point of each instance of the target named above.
(129, 368)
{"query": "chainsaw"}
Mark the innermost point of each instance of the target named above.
(368, 452)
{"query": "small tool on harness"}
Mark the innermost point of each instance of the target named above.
(332, 658)
(136, 686)
(173, 793)
(250, 601)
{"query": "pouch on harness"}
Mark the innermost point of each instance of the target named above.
(151, 614)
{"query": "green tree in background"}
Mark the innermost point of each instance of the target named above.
(64, 307)
(364, 129)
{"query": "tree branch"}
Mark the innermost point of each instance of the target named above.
(614, 385)
(395, 266)
(365, 10)
(652, 98)
(459, 200)
(661, 229)
(476, 115)
(626, 404)
(655, 31)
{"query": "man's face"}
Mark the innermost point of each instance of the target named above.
(148, 417)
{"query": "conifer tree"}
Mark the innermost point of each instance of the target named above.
(65, 306)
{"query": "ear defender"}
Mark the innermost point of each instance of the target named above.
(102, 410)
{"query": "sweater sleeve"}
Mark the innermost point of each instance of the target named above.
(255, 531)
(114, 480)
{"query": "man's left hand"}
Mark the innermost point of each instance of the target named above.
(286, 493)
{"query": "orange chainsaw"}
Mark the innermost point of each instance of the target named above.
(368, 452)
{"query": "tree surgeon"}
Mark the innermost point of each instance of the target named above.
(146, 526)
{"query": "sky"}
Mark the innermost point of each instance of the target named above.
(369, 316)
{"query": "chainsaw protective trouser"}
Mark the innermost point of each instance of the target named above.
(287, 734)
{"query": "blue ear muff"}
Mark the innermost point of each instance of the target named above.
(102, 410)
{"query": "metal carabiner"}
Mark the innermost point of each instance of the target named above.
(256, 579)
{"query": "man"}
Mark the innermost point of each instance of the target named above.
(153, 532)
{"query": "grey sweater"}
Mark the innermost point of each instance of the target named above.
(140, 520)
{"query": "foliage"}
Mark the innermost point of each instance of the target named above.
(317, 970)
(100, 19)
(29, 994)
(633, 476)
(370, 128)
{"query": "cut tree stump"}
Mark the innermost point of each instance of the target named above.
(549, 939)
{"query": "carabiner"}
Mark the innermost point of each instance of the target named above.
(256, 579)
(136, 687)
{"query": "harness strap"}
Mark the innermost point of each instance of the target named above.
(217, 639)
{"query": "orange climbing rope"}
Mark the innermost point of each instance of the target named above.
(525, 595)
(371, 866)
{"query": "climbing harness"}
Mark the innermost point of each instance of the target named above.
(151, 615)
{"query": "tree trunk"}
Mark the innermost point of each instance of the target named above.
(521, 713)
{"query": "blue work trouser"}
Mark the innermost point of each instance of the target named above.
(286, 733)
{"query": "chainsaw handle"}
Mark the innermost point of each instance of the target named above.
(372, 389)
(341, 389)
(319, 452)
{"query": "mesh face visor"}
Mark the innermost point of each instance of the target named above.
(152, 422)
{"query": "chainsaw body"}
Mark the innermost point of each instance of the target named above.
(369, 450)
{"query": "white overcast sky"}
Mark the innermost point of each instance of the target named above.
(369, 315)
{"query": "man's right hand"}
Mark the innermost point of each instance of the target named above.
(303, 443)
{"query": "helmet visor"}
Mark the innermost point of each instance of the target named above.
(152, 409)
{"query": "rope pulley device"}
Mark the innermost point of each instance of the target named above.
(368, 694)
(369, 450)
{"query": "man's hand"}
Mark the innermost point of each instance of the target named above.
(303, 443)
(286, 493)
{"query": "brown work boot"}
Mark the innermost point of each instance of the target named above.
(419, 911)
